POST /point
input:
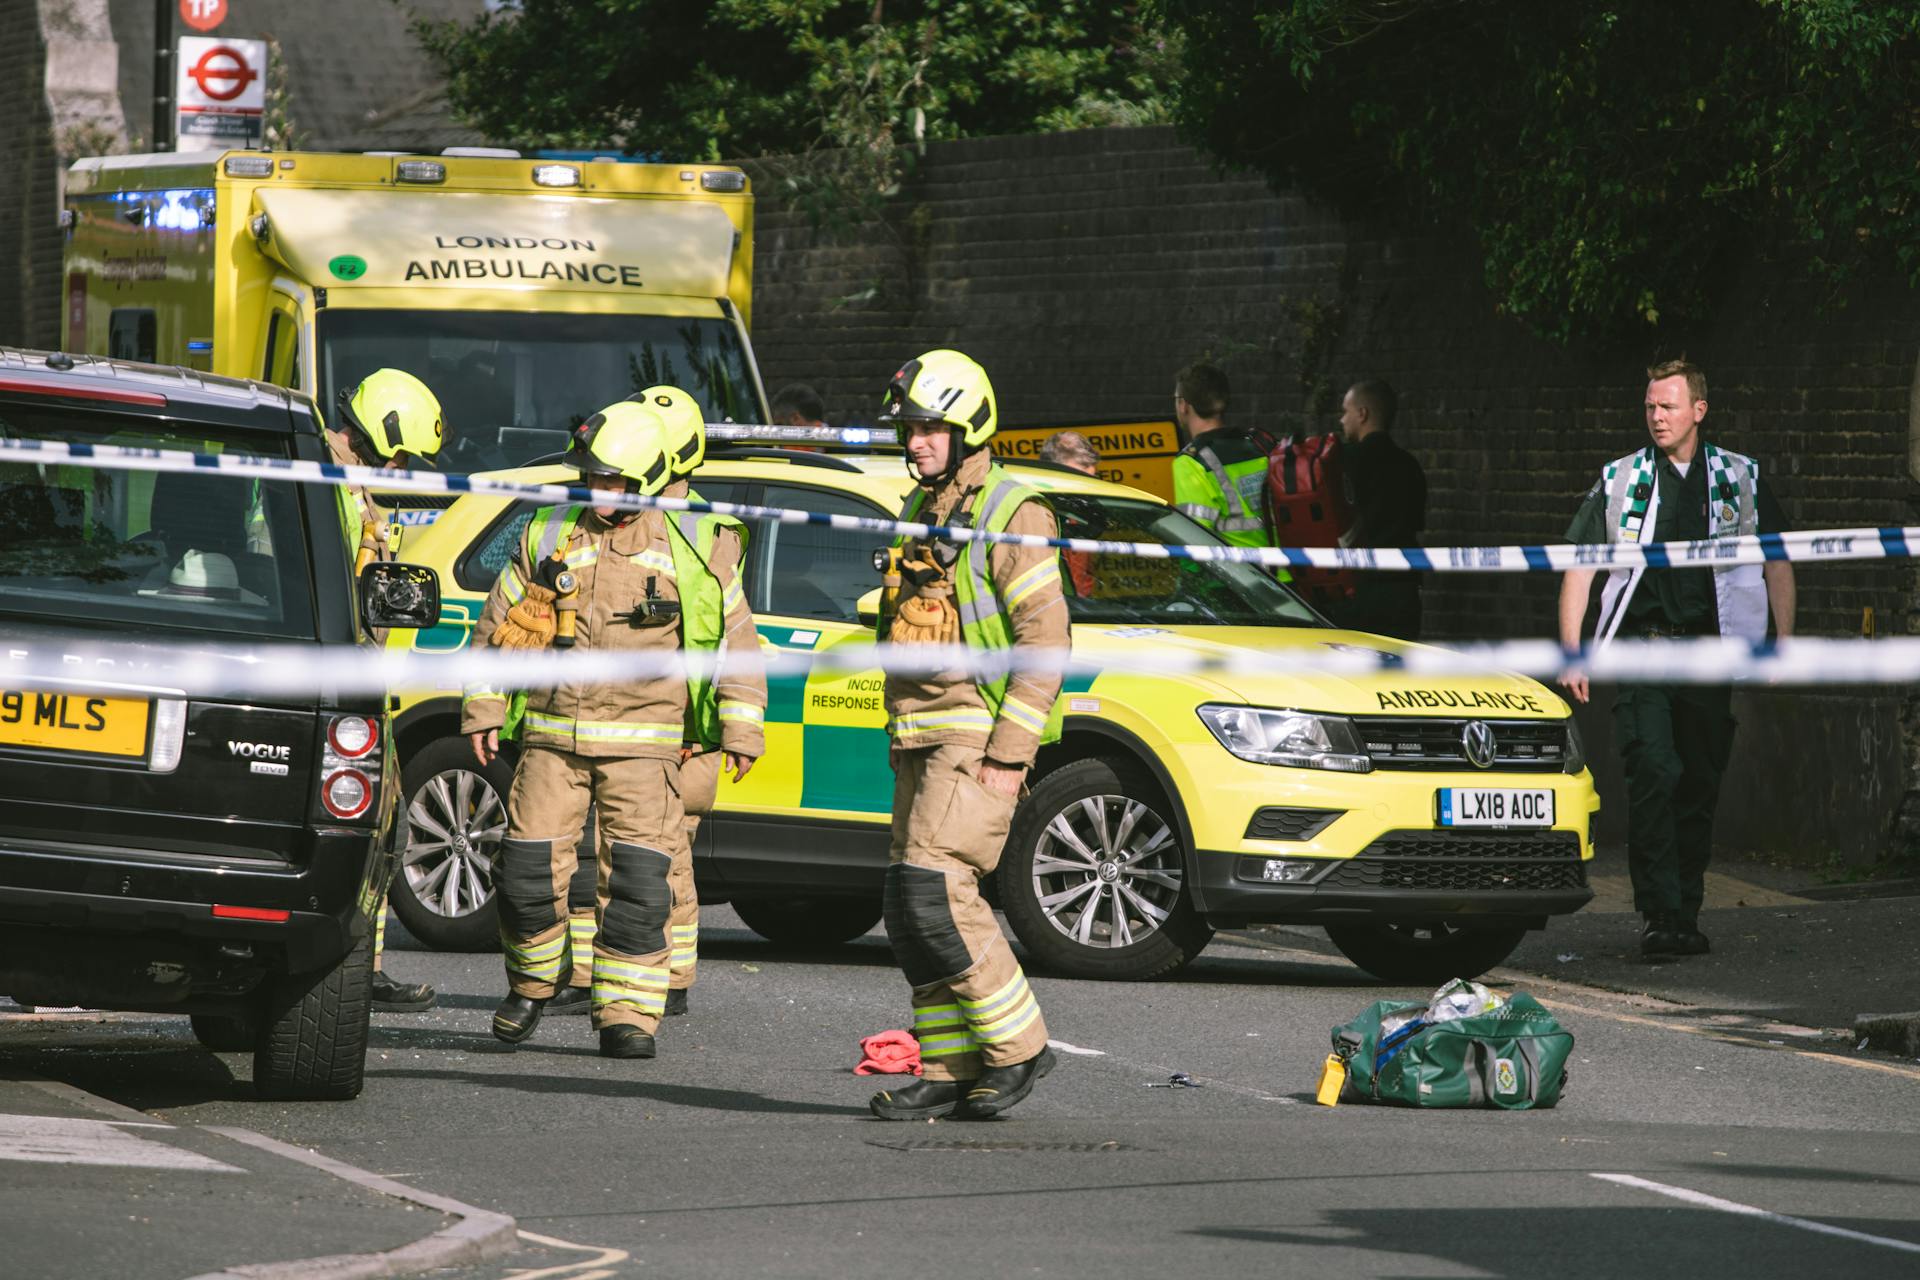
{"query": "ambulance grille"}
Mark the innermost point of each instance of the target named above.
(1420, 743)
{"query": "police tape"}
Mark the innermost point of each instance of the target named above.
(56, 662)
(1801, 546)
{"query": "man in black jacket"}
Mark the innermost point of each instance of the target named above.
(1389, 510)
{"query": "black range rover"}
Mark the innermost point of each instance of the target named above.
(176, 847)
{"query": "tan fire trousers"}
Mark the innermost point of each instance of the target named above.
(699, 782)
(971, 1002)
(642, 834)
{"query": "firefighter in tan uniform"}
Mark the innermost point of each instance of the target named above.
(721, 542)
(390, 421)
(962, 744)
(597, 578)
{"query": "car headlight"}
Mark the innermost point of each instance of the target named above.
(1298, 739)
(1576, 759)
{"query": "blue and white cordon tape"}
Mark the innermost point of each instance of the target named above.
(1799, 547)
(44, 662)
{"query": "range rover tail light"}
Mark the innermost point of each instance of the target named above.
(350, 763)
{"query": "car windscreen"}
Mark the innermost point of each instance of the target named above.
(513, 384)
(192, 551)
(1144, 590)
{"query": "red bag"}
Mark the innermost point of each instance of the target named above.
(1308, 505)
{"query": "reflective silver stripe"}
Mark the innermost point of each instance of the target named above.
(1198, 511)
(1239, 524)
(562, 521)
(1220, 477)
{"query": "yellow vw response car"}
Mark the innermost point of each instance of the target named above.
(1426, 822)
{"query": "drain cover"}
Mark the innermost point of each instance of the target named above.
(1010, 1144)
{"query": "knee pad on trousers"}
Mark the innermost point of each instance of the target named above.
(583, 891)
(639, 901)
(926, 942)
(525, 875)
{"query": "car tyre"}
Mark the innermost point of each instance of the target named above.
(313, 1037)
(1425, 955)
(1133, 922)
(456, 817)
(227, 1033)
(808, 922)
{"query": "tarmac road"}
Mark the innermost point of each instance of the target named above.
(746, 1147)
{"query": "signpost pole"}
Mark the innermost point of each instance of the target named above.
(163, 75)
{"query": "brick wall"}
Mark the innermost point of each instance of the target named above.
(1084, 269)
(29, 201)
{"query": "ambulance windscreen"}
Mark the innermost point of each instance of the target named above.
(512, 385)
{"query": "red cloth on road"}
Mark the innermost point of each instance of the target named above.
(889, 1053)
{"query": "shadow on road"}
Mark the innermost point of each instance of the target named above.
(1660, 1239)
(626, 1089)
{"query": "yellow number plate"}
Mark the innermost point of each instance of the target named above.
(73, 722)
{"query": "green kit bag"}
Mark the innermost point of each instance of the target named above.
(1513, 1057)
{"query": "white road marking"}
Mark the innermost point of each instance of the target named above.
(1064, 1047)
(56, 1140)
(1749, 1211)
(572, 1270)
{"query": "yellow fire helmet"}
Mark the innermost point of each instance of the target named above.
(944, 386)
(393, 411)
(686, 427)
(624, 439)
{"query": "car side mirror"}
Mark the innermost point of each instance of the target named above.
(399, 595)
(868, 608)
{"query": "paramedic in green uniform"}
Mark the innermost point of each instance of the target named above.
(1674, 740)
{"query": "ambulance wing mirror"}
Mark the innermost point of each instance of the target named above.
(868, 607)
(399, 595)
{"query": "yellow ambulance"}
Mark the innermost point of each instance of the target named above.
(527, 293)
(1427, 822)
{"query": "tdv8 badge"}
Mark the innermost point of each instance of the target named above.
(267, 757)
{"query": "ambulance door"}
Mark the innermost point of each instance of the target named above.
(285, 357)
(816, 812)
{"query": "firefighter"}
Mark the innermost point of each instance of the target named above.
(742, 693)
(393, 422)
(597, 578)
(962, 743)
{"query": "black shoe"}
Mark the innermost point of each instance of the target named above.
(399, 997)
(1689, 941)
(921, 1100)
(570, 1000)
(516, 1018)
(676, 1002)
(999, 1088)
(1659, 938)
(625, 1042)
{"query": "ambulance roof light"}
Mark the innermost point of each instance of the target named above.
(763, 433)
(249, 166)
(556, 175)
(424, 171)
(723, 180)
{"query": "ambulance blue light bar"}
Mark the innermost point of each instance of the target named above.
(765, 433)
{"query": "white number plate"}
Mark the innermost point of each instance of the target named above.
(1496, 806)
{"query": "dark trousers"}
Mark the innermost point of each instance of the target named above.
(1674, 741)
(1382, 604)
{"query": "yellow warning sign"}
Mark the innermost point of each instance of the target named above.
(1132, 453)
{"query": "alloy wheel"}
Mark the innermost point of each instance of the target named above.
(1107, 871)
(455, 825)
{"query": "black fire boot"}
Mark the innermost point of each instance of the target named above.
(570, 1000)
(625, 1042)
(1688, 940)
(1660, 938)
(676, 1002)
(399, 997)
(516, 1018)
(921, 1100)
(999, 1088)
